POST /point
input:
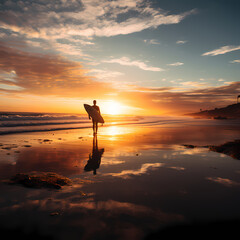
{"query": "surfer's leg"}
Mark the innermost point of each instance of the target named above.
(93, 126)
(96, 126)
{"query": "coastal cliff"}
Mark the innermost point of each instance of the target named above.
(228, 112)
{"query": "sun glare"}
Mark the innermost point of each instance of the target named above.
(113, 108)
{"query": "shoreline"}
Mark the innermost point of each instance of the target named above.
(160, 122)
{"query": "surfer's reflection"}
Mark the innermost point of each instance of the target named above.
(94, 157)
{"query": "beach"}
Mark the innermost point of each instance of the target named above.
(161, 79)
(131, 180)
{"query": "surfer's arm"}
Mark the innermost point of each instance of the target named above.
(89, 116)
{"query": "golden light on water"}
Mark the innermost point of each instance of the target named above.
(112, 131)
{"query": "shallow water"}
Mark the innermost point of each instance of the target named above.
(139, 179)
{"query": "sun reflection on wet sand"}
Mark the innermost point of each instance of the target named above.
(113, 131)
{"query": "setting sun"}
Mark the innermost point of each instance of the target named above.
(113, 108)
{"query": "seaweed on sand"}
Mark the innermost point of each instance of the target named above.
(40, 180)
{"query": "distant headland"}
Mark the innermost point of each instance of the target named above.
(228, 112)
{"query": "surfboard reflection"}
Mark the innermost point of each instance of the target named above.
(94, 158)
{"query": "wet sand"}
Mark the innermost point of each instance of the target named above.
(129, 182)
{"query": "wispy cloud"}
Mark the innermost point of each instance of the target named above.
(152, 41)
(190, 84)
(105, 74)
(175, 64)
(235, 61)
(128, 62)
(222, 50)
(181, 42)
(83, 18)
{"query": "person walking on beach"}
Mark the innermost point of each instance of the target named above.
(95, 124)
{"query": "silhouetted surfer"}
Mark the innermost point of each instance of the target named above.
(94, 158)
(95, 124)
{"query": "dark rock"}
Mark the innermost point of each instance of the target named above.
(230, 148)
(189, 146)
(40, 180)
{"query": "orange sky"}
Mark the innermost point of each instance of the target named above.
(52, 83)
(134, 57)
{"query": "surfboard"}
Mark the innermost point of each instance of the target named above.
(94, 114)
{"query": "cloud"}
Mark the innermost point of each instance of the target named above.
(70, 27)
(105, 74)
(151, 89)
(175, 64)
(222, 50)
(152, 41)
(83, 18)
(177, 101)
(235, 61)
(194, 84)
(180, 42)
(46, 75)
(125, 61)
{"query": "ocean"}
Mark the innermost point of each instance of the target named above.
(20, 122)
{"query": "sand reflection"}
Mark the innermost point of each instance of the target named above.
(61, 158)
